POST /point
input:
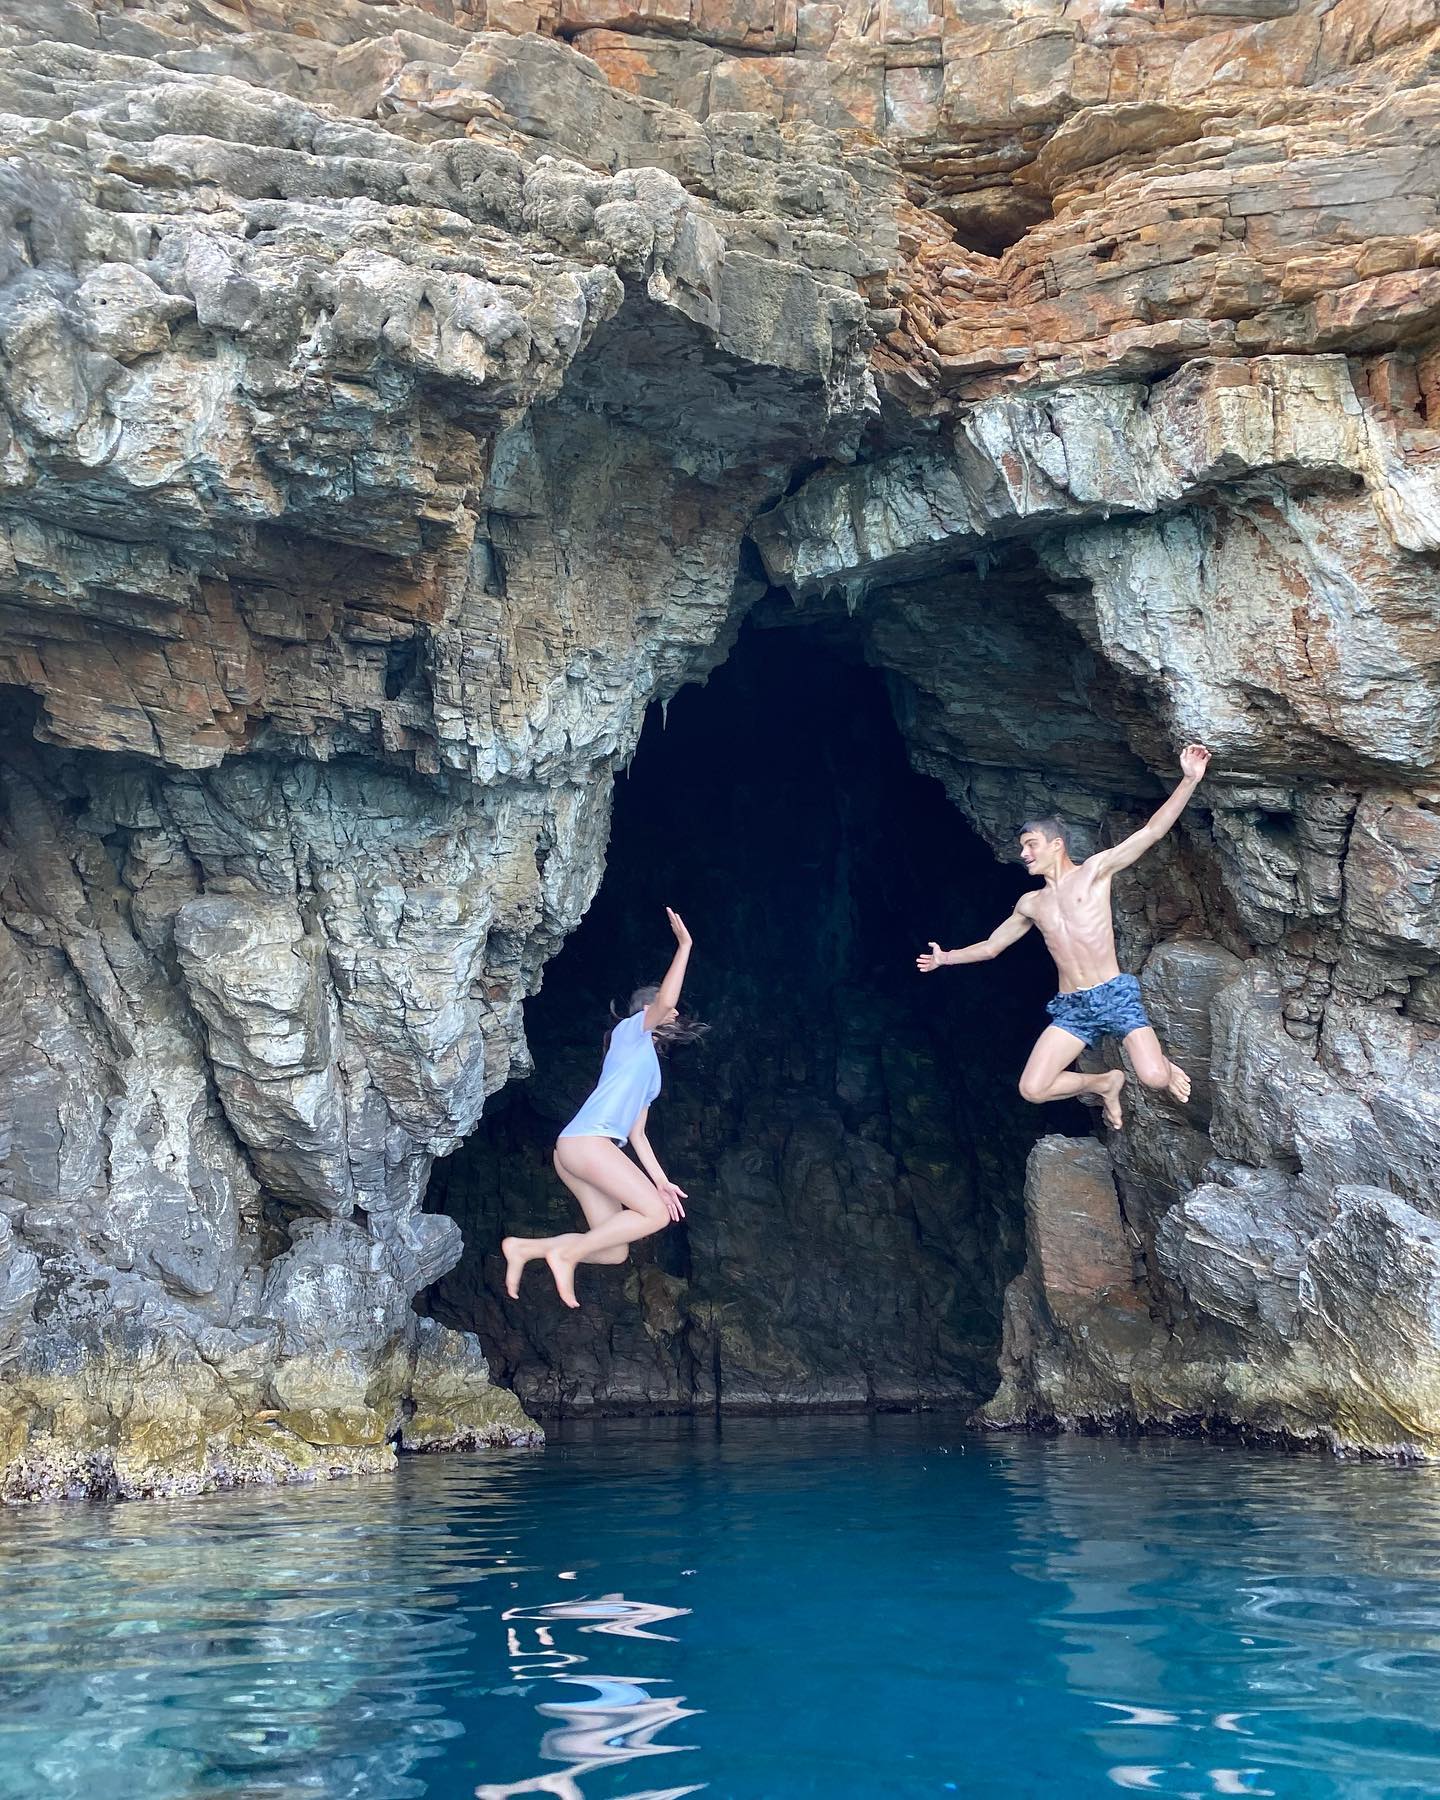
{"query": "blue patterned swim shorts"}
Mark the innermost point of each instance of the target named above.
(1114, 1009)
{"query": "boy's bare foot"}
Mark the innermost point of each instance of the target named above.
(562, 1267)
(1178, 1086)
(1109, 1092)
(513, 1250)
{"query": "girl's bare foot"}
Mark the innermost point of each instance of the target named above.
(1109, 1092)
(562, 1267)
(1178, 1086)
(513, 1250)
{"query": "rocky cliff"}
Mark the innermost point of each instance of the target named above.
(399, 399)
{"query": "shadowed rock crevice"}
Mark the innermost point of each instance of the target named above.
(849, 1132)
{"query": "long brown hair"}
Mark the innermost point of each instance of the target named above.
(684, 1028)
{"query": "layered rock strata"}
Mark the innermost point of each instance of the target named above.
(1266, 591)
(388, 394)
(361, 487)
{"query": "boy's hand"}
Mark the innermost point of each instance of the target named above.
(1194, 761)
(934, 958)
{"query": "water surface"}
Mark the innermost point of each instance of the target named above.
(846, 1608)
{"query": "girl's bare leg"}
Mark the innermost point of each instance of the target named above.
(597, 1208)
(1048, 1075)
(640, 1212)
(518, 1251)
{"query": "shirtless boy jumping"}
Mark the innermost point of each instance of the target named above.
(1095, 999)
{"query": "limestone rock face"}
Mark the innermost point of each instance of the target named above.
(367, 468)
(386, 398)
(1283, 610)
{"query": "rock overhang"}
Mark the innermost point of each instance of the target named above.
(336, 464)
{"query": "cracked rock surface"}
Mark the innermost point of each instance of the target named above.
(362, 479)
(396, 401)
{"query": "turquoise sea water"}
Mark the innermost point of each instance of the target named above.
(797, 1608)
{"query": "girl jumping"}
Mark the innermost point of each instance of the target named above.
(620, 1205)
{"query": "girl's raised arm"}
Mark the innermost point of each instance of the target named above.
(665, 1002)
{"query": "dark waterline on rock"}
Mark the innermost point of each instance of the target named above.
(845, 1607)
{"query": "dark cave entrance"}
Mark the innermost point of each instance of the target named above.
(849, 1133)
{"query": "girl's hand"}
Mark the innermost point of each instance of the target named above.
(677, 925)
(934, 959)
(672, 1196)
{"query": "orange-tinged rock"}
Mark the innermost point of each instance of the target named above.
(1274, 53)
(1368, 314)
(1392, 383)
(1387, 256)
(625, 15)
(1303, 277)
(1073, 1227)
(1101, 132)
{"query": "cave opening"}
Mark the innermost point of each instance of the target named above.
(849, 1131)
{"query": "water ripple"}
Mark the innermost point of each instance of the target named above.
(794, 1609)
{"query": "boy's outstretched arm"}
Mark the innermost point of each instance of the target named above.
(1001, 938)
(1194, 760)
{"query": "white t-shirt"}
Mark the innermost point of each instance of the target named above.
(629, 1081)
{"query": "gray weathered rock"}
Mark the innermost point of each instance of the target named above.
(386, 404)
(338, 454)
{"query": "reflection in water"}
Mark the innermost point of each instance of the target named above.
(299, 1642)
(616, 1726)
(619, 1723)
(611, 1613)
(1252, 1619)
(848, 1609)
(226, 1645)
